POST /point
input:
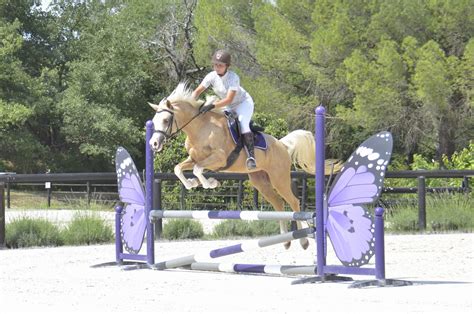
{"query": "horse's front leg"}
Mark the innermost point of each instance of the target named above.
(187, 164)
(214, 160)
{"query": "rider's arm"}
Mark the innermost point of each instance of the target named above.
(227, 100)
(198, 91)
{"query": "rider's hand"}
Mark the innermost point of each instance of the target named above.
(207, 107)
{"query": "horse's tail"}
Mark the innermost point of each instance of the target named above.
(301, 147)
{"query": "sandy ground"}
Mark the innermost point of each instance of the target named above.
(441, 267)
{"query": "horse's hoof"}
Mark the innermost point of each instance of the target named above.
(304, 244)
(213, 183)
(192, 183)
(287, 245)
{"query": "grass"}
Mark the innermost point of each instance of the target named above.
(444, 212)
(39, 200)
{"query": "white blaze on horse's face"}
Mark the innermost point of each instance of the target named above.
(163, 125)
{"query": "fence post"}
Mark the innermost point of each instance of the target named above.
(2, 215)
(294, 187)
(49, 186)
(88, 189)
(304, 194)
(182, 197)
(465, 184)
(421, 203)
(255, 199)
(157, 204)
(8, 195)
(240, 195)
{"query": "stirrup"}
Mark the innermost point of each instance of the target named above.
(251, 164)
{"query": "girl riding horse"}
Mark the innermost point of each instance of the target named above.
(226, 85)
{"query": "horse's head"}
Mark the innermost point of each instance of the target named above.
(179, 108)
(163, 122)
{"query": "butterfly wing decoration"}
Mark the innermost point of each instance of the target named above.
(133, 219)
(348, 222)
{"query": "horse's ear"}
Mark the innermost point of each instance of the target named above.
(155, 107)
(168, 104)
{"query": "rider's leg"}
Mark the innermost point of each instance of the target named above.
(244, 113)
(249, 144)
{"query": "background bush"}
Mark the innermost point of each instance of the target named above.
(27, 232)
(86, 228)
(241, 228)
(182, 229)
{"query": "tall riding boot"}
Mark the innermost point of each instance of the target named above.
(249, 144)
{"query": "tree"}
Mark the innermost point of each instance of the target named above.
(17, 94)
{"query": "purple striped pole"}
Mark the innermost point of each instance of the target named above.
(230, 214)
(255, 268)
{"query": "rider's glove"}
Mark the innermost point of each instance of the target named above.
(206, 108)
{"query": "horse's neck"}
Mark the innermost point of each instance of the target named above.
(189, 122)
(197, 130)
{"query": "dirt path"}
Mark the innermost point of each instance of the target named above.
(61, 280)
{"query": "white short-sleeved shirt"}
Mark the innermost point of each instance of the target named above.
(221, 85)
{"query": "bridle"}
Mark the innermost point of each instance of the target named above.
(167, 133)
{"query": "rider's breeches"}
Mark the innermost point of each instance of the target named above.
(244, 112)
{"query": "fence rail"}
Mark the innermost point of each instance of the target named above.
(108, 179)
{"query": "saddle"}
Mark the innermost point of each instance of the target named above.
(234, 128)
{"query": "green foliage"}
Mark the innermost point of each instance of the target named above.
(27, 232)
(273, 125)
(444, 212)
(240, 228)
(176, 229)
(87, 229)
(462, 160)
(74, 81)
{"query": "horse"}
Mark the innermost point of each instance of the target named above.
(208, 143)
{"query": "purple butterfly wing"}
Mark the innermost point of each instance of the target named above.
(349, 223)
(133, 220)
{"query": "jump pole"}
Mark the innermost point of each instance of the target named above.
(201, 258)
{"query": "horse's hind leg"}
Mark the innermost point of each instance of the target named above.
(261, 182)
(282, 184)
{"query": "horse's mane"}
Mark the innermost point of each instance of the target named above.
(183, 92)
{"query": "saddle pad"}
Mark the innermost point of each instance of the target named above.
(259, 139)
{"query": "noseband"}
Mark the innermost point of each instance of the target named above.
(167, 133)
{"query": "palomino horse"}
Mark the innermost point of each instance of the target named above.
(209, 143)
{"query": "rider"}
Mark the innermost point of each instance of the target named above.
(226, 85)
